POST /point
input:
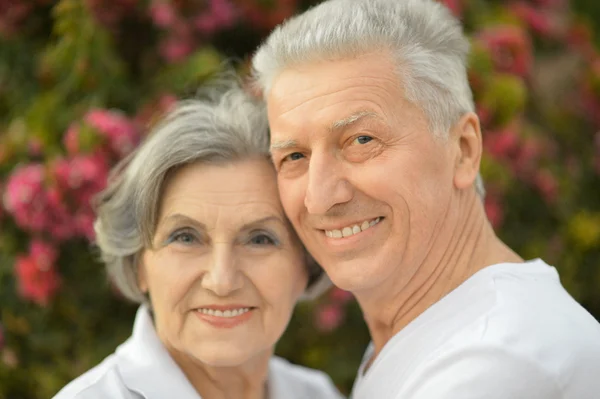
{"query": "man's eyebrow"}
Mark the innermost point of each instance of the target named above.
(337, 125)
(284, 144)
(352, 119)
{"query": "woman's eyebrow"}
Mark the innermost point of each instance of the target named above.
(261, 221)
(178, 218)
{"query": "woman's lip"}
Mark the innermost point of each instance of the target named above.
(225, 322)
(225, 307)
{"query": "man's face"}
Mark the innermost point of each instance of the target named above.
(361, 178)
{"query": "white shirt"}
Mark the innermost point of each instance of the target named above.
(142, 368)
(510, 331)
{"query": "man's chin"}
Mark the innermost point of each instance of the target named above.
(352, 279)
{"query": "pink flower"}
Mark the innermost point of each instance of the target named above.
(538, 21)
(111, 12)
(25, 198)
(163, 14)
(1, 206)
(510, 49)
(455, 6)
(176, 48)
(59, 220)
(329, 317)
(80, 178)
(502, 144)
(527, 157)
(12, 15)
(493, 210)
(547, 184)
(37, 282)
(84, 223)
(206, 23)
(148, 114)
(121, 134)
(266, 17)
(35, 147)
(224, 12)
(71, 139)
(581, 36)
(340, 296)
(44, 254)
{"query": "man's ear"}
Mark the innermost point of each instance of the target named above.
(467, 136)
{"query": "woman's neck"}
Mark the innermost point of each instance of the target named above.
(247, 381)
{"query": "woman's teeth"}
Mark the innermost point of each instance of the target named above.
(223, 313)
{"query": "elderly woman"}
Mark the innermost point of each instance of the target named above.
(191, 227)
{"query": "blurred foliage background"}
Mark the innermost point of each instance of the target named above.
(81, 81)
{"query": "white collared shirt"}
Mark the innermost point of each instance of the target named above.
(511, 331)
(141, 368)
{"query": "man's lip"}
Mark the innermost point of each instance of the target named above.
(341, 225)
(223, 308)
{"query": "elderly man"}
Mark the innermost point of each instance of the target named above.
(377, 149)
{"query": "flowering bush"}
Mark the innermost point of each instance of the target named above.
(81, 81)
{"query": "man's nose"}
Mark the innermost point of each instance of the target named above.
(223, 276)
(327, 185)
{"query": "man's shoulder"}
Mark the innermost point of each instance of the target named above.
(304, 382)
(102, 381)
(532, 306)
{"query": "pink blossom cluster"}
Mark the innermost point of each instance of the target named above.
(150, 112)
(12, 16)
(331, 314)
(266, 16)
(456, 6)
(82, 176)
(55, 199)
(37, 278)
(525, 158)
(109, 13)
(118, 135)
(185, 23)
(510, 49)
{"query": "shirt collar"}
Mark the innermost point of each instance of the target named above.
(147, 367)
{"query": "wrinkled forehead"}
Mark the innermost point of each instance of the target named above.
(233, 191)
(331, 92)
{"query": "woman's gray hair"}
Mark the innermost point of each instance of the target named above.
(424, 38)
(222, 124)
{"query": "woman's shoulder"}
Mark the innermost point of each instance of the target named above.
(288, 380)
(102, 381)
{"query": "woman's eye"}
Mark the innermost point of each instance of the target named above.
(363, 139)
(294, 156)
(262, 239)
(183, 237)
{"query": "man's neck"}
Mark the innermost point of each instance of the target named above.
(464, 246)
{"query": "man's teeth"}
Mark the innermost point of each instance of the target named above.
(224, 313)
(351, 230)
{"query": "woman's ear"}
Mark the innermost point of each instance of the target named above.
(467, 133)
(141, 274)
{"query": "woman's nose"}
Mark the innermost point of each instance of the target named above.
(223, 276)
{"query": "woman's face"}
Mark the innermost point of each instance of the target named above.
(226, 268)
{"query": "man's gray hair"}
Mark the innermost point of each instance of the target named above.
(223, 124)
(424, 38)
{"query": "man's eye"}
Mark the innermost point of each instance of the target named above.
(294, 156)
(363, 139)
